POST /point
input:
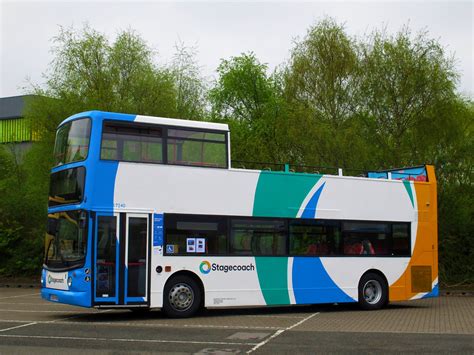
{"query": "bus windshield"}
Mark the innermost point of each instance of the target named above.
(66, 240)
(72, 141)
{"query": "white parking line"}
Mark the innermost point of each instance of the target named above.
(39, 311)
(77, 316)
(42, 303)
(140, 324)
(29, 294)
(127, 340)
(272, 316)
(279, 332)
(18, 326)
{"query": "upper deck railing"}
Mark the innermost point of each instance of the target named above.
(417, 173)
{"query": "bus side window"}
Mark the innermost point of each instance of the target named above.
(366, 238)
(401, 239)
(313, 237)
(131, 142)
(179, 228)
(197, 148)
(254, 236)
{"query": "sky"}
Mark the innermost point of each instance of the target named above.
(219, 30)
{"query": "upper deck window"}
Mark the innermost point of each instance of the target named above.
(72, 141)
(137, 142)
(197, 148)
(126, 142)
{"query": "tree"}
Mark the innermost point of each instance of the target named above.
(19, 217)
(191, 87)
(454, 161)
(321, 83)
(250, 100)
(88, 73)
(322, 73)
(406, 83)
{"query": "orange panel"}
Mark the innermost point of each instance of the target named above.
(425, 252)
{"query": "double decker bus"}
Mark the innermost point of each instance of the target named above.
(147, 212)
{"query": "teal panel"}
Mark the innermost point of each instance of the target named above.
(281, 194)
(272, 276)
(409, 191)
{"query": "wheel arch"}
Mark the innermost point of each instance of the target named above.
(195, 277)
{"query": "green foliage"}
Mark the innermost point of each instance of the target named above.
(191, 87)
(323, 72)
(405, 85)
(379, 101)
(87, 73)
(251, 102)
(90, 73)
(20, 220)
(455, 195)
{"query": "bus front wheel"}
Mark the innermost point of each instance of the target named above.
(182, 297)
(373, 291)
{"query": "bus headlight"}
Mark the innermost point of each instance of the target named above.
(69, 281)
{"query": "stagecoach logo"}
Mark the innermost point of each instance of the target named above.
(54, 280)
(206, 267)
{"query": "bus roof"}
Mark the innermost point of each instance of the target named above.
(182, 123)
(150, 119)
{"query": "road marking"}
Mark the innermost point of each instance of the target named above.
(272, 316)
(279, 332)
(126, 340)
(41, 311)
(218, 351)
(29, 294)
(76, 316)
(18, 326)
(139, 324)
(42, 303)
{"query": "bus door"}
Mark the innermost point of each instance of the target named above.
(121, 258)
(136, 259)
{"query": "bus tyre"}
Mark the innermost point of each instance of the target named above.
(373, 292)
(182, 297)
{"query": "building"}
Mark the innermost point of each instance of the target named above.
(14, 127)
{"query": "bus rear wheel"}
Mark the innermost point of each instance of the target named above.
(373, 291)
(182, 297)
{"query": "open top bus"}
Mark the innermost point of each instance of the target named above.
(147, 212)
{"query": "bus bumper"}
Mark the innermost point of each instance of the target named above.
(75, 298)
(434, 292)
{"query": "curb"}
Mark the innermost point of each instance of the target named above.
(456, 293)
(20, 285)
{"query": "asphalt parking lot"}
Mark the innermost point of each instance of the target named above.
(30, 325)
